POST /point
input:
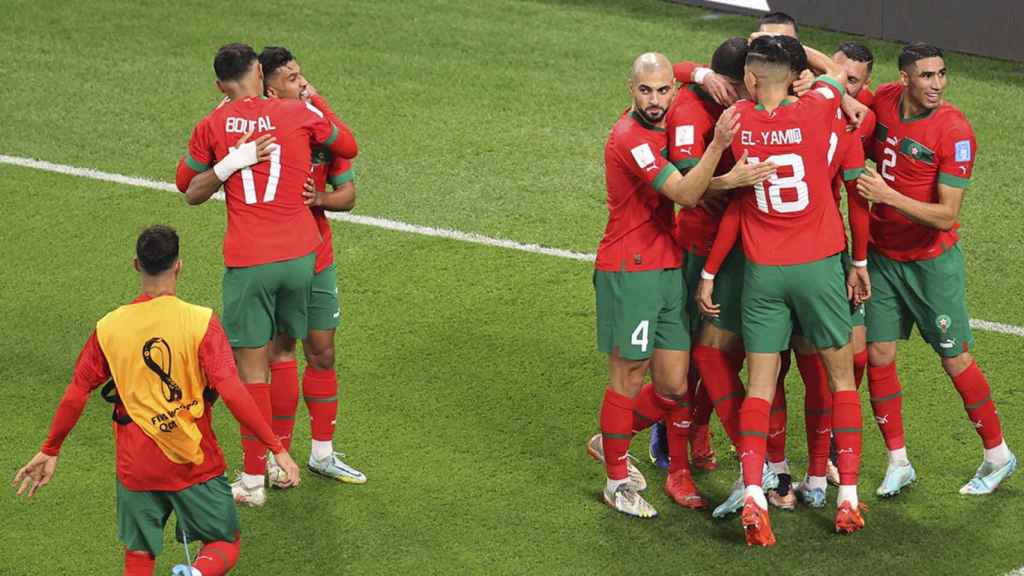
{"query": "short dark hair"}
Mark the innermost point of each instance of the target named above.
(797, 54)
(778, 18)
(272, 58)
(729, 58)
(233, 61)
(858, 53)
(917, 51)
(781, 50)
(157, 249)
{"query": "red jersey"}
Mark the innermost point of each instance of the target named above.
(914, 156)
(141, 464)
(267, 218)
(691, 127)
(641, 221)
(866, 96)
(791, 218)
(327, 169)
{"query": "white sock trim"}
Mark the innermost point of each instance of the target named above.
(322, 449)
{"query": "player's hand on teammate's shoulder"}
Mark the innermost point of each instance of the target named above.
(872, 186)
(291, 469)
(726, 128)
(36, 474)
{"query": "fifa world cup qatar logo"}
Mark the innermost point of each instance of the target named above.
(159, 347)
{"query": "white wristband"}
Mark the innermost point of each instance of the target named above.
(700, 74)
(705, 275)
(238, 158)
(860, 263)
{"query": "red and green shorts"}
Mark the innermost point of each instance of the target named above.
(811, 294)
(929, 293)
(728, 292)
(205, 512)
(260, 301)
(640, 311)
(324, 309)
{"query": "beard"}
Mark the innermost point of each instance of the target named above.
(652, 114)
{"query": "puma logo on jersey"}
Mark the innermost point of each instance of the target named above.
(236, 125)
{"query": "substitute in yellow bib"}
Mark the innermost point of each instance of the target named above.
(169, 361)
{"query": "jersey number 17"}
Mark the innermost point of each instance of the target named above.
(249, 183)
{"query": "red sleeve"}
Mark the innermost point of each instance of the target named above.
(866, 96)
(642, 160)
(340, 171)
(726, 237)
(683, 71)
(821, 102)
(218, 365)
(956, 153)
(859, 218)
(685, 128)
(331, 132)
(91, 370)
(199, 157)
(866, 132)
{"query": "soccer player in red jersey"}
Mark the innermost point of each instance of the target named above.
(718, 353)
(858, 61)
(641, 316)
(271, 238)
(792, 237)
(284, 78)
(925, 148)
(169, 360)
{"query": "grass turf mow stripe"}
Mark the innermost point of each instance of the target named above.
(984, 325)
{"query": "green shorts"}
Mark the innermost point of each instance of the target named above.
(324, 309)
(812, 294)
(640, 311)
(856, 312)
(260, 301)
(929, 293)
(728, 292)
(206, 512)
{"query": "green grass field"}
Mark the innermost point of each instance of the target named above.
(469, 374)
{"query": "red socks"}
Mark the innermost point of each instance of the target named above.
(846, 425)
(138, 563)
(753, 438)
(320, 391)
(887, 403)
(646, 409)
(616, 432)
(217, 558)
(702, 406)
(973, 388)
(284, 399)
(678, 421)
(722, 382)
(777, 423)
(817, 412)
(860, 363)
(254, 454)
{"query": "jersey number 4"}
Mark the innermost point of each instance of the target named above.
(249, 183)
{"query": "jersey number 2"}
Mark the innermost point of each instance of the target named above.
(249, 183)
(776, 184)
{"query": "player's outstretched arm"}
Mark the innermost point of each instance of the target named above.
(825, 65)
(941, 215)
(742, 174)
(36, 474)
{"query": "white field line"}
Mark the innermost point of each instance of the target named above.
(91, 174)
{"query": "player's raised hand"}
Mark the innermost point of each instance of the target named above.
(291, 469)
(745, 174)
(35, 474)
(720, 89)
(704, 291)
(858, 285)
(726, 128)
(802, 85)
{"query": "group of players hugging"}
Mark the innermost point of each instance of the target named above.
(756, 266)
